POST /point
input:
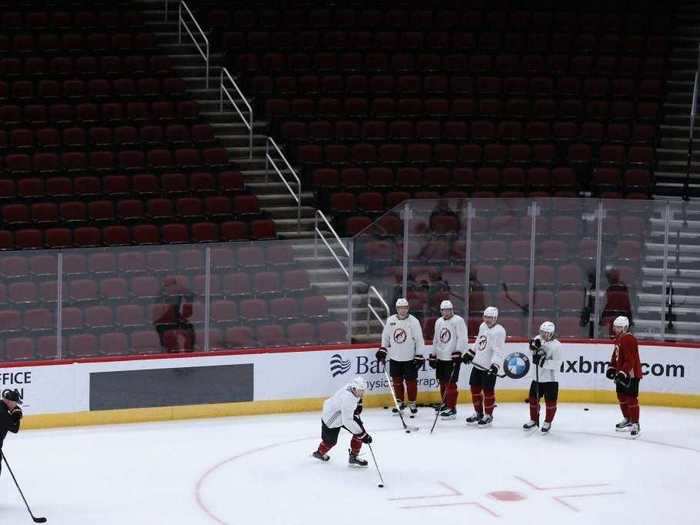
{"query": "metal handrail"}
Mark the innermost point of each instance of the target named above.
(319, 234)
(693, 110)
(371, 308)
(167, 2)
(248, 123)
(181, 22)
(269, 160)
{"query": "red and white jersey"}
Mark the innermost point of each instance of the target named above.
(489, 346)
(339, 410)
(625, 356)
(552, 355)
(450, 336)
(402, 338)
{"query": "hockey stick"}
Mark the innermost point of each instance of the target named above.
(537, 391)
(407, 428)
(455, 367)
(36, 520)
(376, 465)
(525, 308)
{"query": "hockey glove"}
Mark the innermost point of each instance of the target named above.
(365, 438)
(381, 355)
(468, 356)
(16, 413)
(538, 358)
(456, 358)
(418, 360)
(493, 370)
(432, 361)
(610, 373)
(535, 344)
(621, 378)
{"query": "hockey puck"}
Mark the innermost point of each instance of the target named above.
(386, 408)
(586, 409)
(380, 486)
(408, 431)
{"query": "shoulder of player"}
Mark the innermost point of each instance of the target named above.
(499, 328)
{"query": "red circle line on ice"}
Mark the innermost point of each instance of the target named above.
(215, 467)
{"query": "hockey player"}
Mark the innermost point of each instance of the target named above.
(626, 370)
(546, 358)
(449, 339)
(402, 340)
(343, 410)
(10, 415)
(486, 355)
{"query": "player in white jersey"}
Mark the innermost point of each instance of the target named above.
(449, 342)
(402, 341)
(487, 356)
(546, 360)
(342, 410)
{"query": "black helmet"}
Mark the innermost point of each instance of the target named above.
(12, 395)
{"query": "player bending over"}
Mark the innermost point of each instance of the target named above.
(546, 358)
(449, 339)
(343, 411)
(626, 370)
(486, 355)
(402, 340)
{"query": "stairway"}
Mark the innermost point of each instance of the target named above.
(683, 270)
(672, 151)
(324, 272)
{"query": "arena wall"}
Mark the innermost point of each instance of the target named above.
(155, 388)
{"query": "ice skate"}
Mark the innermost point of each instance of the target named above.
(530, 425)
(485, 421)
(320, 457)
(355, 461)
(448, 414)
(546, 426)
(474, 418)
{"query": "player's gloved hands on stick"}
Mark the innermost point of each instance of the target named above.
(456, 358)
(622, 378)
(16, 413)
(493, 370)
(467, 357)
(365, 438)
(418, 360)
(610, 373)
(538, 358)
(381, 355)
(432, 361)
(535, 344)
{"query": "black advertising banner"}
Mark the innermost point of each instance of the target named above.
(198, 385)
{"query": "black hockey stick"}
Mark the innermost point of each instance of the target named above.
(407, 428)
(36, 520)
(455, 367)
(525, 308)
(376, 465)
(537, 390)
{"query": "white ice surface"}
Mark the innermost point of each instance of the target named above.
(259, 470)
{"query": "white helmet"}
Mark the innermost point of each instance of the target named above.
(547, 327)
(446, 305)
(358, 383)
(401, 302)
(491, 311)
(622, 322)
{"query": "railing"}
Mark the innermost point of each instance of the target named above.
(318, 234)
(270, 161)
(180, 23)
(693, 111)
(167, 3)
(224, 90)
(372, 310)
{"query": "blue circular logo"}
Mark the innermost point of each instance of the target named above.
(516, 365)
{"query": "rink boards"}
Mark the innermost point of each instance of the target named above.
(294, 379)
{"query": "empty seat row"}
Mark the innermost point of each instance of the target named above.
(100, 136)
(456, 85)
(28, 188)
(82, 288)
(462, 130)
(460, 62)
(140, 342)
(163, 111)
(107, 160)
(81, 19)
(394, 22)
(122, 235)
(461, 108)
(78, 42)
(84, 73)
(95, 89)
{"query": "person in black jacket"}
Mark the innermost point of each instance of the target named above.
(10, 415)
